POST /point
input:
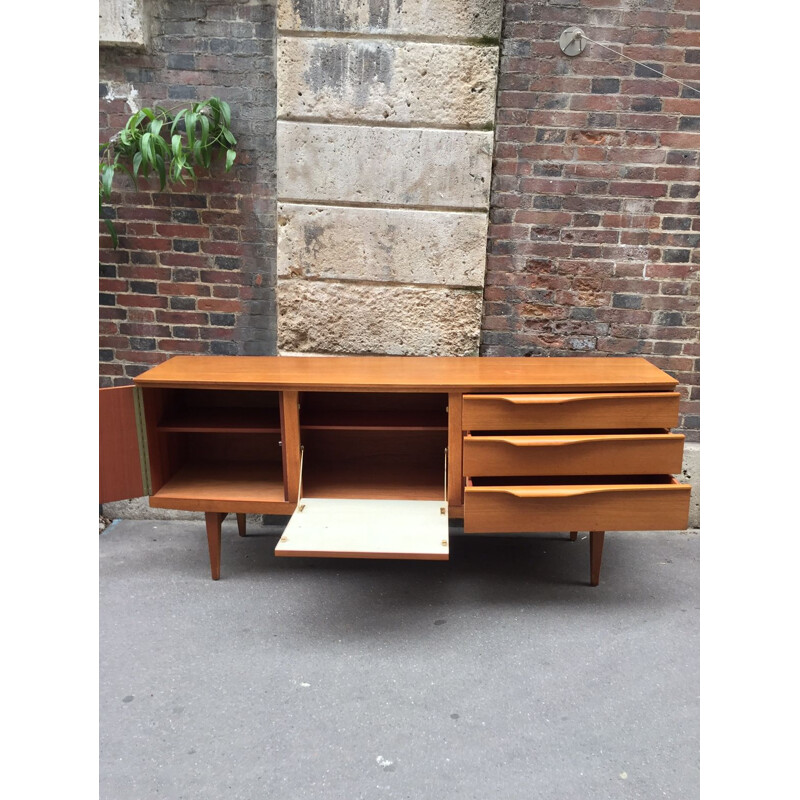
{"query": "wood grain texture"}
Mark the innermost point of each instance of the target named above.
(606, 410)
(596, 540)
(574, 454)
(214, 534)
(610, 506)
(408, 373)
(120, 467)
(243, 487)
(455, 448)
(290, 444)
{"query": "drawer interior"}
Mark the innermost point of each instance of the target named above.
(575, 480)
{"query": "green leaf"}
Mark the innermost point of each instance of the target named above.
(137, 163)
(226, 113)
(204, 127)
(178, 118)
(155, 127)
(191, 120)
(230, 156)
(177, 149)
(107, 179)
(112, 230)
(229, 137)
(213, 104)
(145, 150)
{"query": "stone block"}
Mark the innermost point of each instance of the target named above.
(378, 244)
(378, 80)
(391, 166)
(122, 23)
(478, 20)
(333, 317)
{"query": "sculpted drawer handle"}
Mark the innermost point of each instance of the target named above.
(557, 492)
(556, 399)
(530, 441)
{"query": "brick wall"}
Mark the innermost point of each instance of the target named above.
(593, 241)
(195, 267)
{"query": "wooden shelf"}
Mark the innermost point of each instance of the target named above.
(374, 420)
(374, 480)
(204, 486)
(221, 420)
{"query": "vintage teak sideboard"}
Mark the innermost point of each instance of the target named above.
(371, 456)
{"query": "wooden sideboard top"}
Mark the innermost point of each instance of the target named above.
(408, 373)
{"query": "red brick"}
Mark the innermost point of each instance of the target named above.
(185, 289)
(183, 231)
(182, 317)
(184, 260)
(219, 305)
(147, 243)
(634, 189)
(182, 345)
(144, 301)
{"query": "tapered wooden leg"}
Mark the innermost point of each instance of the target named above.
(214, 532)
(241, 521)
(596, 539)
(573, 536)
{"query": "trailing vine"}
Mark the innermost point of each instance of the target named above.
(168, 142)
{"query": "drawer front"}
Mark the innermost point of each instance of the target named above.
(493, 412)
(611, 454)
(621, 507)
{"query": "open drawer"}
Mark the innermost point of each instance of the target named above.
(574, 454)
(623, 503)
(617, 411)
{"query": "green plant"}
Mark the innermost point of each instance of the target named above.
(169, 142)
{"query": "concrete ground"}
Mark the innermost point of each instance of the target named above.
(498, 674)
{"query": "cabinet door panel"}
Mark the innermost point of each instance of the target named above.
(120, 465)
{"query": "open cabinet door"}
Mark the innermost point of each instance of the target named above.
(122, 450)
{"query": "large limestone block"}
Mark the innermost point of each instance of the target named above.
(455, 19)
(329, 317)
(379, 80)
(121, 22)
(378, 244)
(393, 166)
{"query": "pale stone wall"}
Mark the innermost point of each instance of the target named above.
(122, 22)
(384, 152)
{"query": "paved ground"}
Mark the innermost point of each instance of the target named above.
(498, 674)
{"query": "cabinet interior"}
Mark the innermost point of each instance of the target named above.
(215, 444)
(373, 445)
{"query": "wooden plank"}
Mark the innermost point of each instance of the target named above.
(290, 444)
(408, 373)
(217, 486)
(618, 411)
(403, 529)
(578, 454)
(455, 445)
(120, 466)
(620, 507)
